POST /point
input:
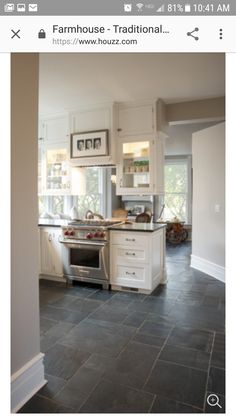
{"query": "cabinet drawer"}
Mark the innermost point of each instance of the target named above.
(130, 255)
(131, 276)
(132, 240)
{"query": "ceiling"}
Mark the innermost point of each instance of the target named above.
(69, 81)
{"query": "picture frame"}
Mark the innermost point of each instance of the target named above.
(89, 144)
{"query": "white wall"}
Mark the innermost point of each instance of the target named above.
(208, 236)
(25, 337)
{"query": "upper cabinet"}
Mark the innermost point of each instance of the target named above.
(55, 130)
(140, 166)
(89, 121)
(136, 119)
(140, 149)
(54, 169)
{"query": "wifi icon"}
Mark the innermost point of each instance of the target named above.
(140, 6)
(161, 9)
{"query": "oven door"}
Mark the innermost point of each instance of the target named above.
(85, 260)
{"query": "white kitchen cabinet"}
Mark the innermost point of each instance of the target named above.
(50, 253)
(54, 168)
(140, 168)
(137, 260)
(96, 118)
(56, 171)
(55, 130)
(136, 119)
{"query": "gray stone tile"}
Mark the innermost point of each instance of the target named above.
(62, 361)
(165, 405)
(64, 301)
(114, 314)
(54, 313)
(185, 356)
(153, 305)
(155, 329)
(149, 339)
(85, 305)
(59, 329)
(114, 398)
(102, 295)
(216, 381)
(135, 319)
(191, 338)
(71, 397)
(94, 337)
(132, 366)
(39, 404)
(85, 379)
(46, 324)
(184, 384)
(53, 386)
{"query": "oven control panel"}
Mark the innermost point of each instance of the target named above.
(84, 234)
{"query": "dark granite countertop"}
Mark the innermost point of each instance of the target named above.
(144, 227)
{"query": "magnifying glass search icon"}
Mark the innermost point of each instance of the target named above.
(213, 400)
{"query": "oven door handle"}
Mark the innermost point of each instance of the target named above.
(83, 243)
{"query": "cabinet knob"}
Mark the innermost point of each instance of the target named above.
(119, 129)
(49, 237)
(130, 240)
(130, 254)
(130, 273)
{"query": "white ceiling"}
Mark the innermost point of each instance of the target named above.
(69, 81)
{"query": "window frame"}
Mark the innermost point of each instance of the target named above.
(188, 160)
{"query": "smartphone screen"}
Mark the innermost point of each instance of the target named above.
(118, 145)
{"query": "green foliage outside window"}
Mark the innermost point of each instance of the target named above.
(176, 190)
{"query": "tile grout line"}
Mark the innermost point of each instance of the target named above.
(208, 371)
(158, 355)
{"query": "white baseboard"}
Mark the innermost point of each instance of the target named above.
(208, 268)
(26, 382)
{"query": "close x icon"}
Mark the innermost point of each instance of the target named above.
(15, 33)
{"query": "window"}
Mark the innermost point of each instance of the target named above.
(178, 189)
(92, 195)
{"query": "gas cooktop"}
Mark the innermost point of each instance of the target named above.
(91, 223)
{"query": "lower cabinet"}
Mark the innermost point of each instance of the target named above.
(50, 253)
(137, 260)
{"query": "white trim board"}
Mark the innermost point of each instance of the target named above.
(26, 382)
(208, 267)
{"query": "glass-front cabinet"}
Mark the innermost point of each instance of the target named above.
(56, 170)
(140, 167)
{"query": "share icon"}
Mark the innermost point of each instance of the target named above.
(191, 34)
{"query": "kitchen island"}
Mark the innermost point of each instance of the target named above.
(136, 252)
(137, 257)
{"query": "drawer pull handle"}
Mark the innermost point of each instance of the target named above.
(130, 273)
(130, 240)
(130, 254)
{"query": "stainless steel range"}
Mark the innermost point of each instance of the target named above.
(85, 251)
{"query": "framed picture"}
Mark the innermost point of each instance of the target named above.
(89, 144)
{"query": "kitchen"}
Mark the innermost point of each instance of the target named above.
(146, 125)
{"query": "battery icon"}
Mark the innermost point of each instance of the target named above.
(187, 8)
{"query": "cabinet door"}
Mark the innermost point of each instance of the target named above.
(136, 120)
(135, 167)
(46, 254)
(57, 255)
(56, 129)
(56, 168)
(91, 120)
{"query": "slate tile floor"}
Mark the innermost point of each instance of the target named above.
(113, 352)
